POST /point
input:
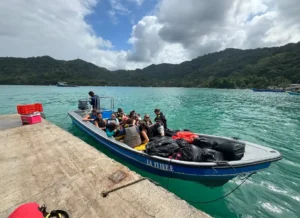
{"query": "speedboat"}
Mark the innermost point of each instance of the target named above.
(64, 84)
(256, 157)
(294, 93)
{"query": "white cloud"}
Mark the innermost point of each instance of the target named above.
(138, 2)
(196, 27)
(117, 8)
(176, 31)
(148, 47)
(56, 28)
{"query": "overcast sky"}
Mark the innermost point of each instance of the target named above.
(129, 34)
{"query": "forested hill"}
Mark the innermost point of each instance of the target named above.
(231, 68)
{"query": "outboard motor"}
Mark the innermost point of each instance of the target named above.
(83, 104)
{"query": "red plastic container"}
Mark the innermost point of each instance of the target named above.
(31, 118)
(39, 107)
(29, 108)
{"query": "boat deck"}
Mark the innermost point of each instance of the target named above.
(47, 165)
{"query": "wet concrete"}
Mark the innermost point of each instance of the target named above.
(43, 163)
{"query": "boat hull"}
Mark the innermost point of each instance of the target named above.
(267, 90)
(294, 93)
(216, 175)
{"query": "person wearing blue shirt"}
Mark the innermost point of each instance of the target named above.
(94, 100)
(91, 117)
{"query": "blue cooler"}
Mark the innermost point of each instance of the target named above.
(106, 114)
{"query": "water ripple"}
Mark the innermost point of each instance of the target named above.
(269, 119)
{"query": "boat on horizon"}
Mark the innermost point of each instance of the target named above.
(256, 157)
(268, 90)
(64, 84)
(294, 93)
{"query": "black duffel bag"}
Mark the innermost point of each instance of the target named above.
(190, 152)
(202, 142)
(211, 155)
(163, 146)
(170, 132)
(232, 150)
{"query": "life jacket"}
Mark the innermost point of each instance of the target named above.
(132, 136)
(149, 123)
(188, 136)
(120, 116)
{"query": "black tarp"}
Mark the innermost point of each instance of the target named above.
(190, 152)
(163, 146)
(202, 142)
(211, 155)
(232, 150)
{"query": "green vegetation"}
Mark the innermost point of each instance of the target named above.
(231, 68)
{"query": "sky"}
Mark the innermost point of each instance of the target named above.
(130, 34)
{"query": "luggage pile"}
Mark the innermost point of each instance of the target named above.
(188, 146)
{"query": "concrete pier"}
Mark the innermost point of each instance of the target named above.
(43, 163)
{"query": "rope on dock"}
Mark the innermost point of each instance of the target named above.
(105, 193)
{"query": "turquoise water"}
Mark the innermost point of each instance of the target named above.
(270, 119)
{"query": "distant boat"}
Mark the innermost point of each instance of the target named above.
(64, 84)
(268, 90)
(294, 93)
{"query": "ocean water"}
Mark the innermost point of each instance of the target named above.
(269, 119)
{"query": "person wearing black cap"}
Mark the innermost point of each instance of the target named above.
(120, 114)
(160, 117)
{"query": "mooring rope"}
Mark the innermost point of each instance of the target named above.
(224, 196)
(217, 199)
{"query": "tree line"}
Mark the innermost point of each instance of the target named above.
(231, 68)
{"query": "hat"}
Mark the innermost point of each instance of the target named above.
(120, 110)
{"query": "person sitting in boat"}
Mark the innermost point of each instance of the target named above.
(132, 134)
(113, 119)
(136, 120)
(120, 114)
(100, 122)
(124, 119)
(147, 120)
(111, 129)
(160, 116)
(132, 113)
(94, 101)
(91, 117)
(158, 128)
(145, 131)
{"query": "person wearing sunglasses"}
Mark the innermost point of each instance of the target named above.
(113, 119)
(147, 120)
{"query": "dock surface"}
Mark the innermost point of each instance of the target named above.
(45, 164)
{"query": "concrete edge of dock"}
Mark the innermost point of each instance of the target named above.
(45, 164)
